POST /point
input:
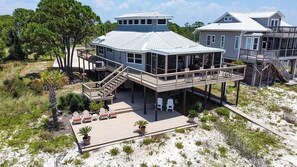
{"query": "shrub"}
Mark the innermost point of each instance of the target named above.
(94, 106)
(73, 102)
(192, 113)
(204, 119)
(205, 112)
(213, 118)
(223, 151)
(198, 143)
(180, 131)
(114, 151)
(143, 164)
(238, 62)
(36, 85)
(128, 150)
(45, 135)
(148, 141)
(273, 108)
(78, 162)
(223, 111)
(86, 155)
(179, 145)
(206, 127)
(198, 106)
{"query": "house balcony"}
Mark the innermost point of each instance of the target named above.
(283, 31)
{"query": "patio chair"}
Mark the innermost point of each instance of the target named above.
(103, 114)
(112, 114)
(76, 119)
(160, 104)
(87, 117)
(169, 105)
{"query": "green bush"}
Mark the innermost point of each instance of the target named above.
(114, 151)
(149, 141)
(223, 111)
(179, 145)
(128, 149)
(73, 102)
(86, 155)
(198, 143)
(223, 151)
(198, 106)
(206, 127)
(180, 130)
(143, 165)
(205, 112)
(204, 119)
(94, 106)
(213, 118)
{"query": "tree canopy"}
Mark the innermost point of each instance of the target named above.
(187, 30)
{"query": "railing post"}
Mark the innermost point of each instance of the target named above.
(141, 76)
(193, 75)
(231, 74)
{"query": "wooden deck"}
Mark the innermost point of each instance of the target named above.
(111, 131)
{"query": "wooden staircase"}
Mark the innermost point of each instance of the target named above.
(278, 68)
(107, 88)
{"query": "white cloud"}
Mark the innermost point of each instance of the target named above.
(213, 6)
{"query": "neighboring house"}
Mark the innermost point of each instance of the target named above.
(143, 50)
(260, 39)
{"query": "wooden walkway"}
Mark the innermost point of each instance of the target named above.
(259, 123)
(252, 120)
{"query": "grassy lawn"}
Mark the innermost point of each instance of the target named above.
(25, 113)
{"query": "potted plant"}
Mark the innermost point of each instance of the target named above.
(84, 132)
(192, 114)
(141, 125)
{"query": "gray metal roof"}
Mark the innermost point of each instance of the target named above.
(163, 42)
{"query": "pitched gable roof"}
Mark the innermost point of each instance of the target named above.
(245, 22)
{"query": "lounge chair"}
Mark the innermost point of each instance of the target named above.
(103, 114)
(76, 119)
(87, 117)
(160, 104)
(169, 105)
(112, 114)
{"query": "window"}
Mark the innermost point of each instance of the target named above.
(109, 50)
(213, 39)
(208, 40)
(236, 43)
(252, 44)
(161, 21)
(134, 58)
(138, 59)
(256, 42)
(100, 50)
(136, 21)
(142, 21)
(274, 22)
(228, 18)
(124, 21)
(130, 21)
(222, 44)
(149, 21)
(120, 22)
(248, 44)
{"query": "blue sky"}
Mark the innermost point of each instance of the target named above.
(182, 10)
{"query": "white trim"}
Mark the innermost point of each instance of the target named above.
(236, 37)
(277, 21)
(222, 42)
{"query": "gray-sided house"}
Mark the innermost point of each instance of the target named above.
(261, 39)
(143, 50)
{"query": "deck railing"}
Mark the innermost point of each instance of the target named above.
(170, 81)
(284, 29)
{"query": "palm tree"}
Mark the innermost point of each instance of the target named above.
(52, 80)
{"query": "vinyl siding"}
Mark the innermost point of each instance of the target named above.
(229, 42)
